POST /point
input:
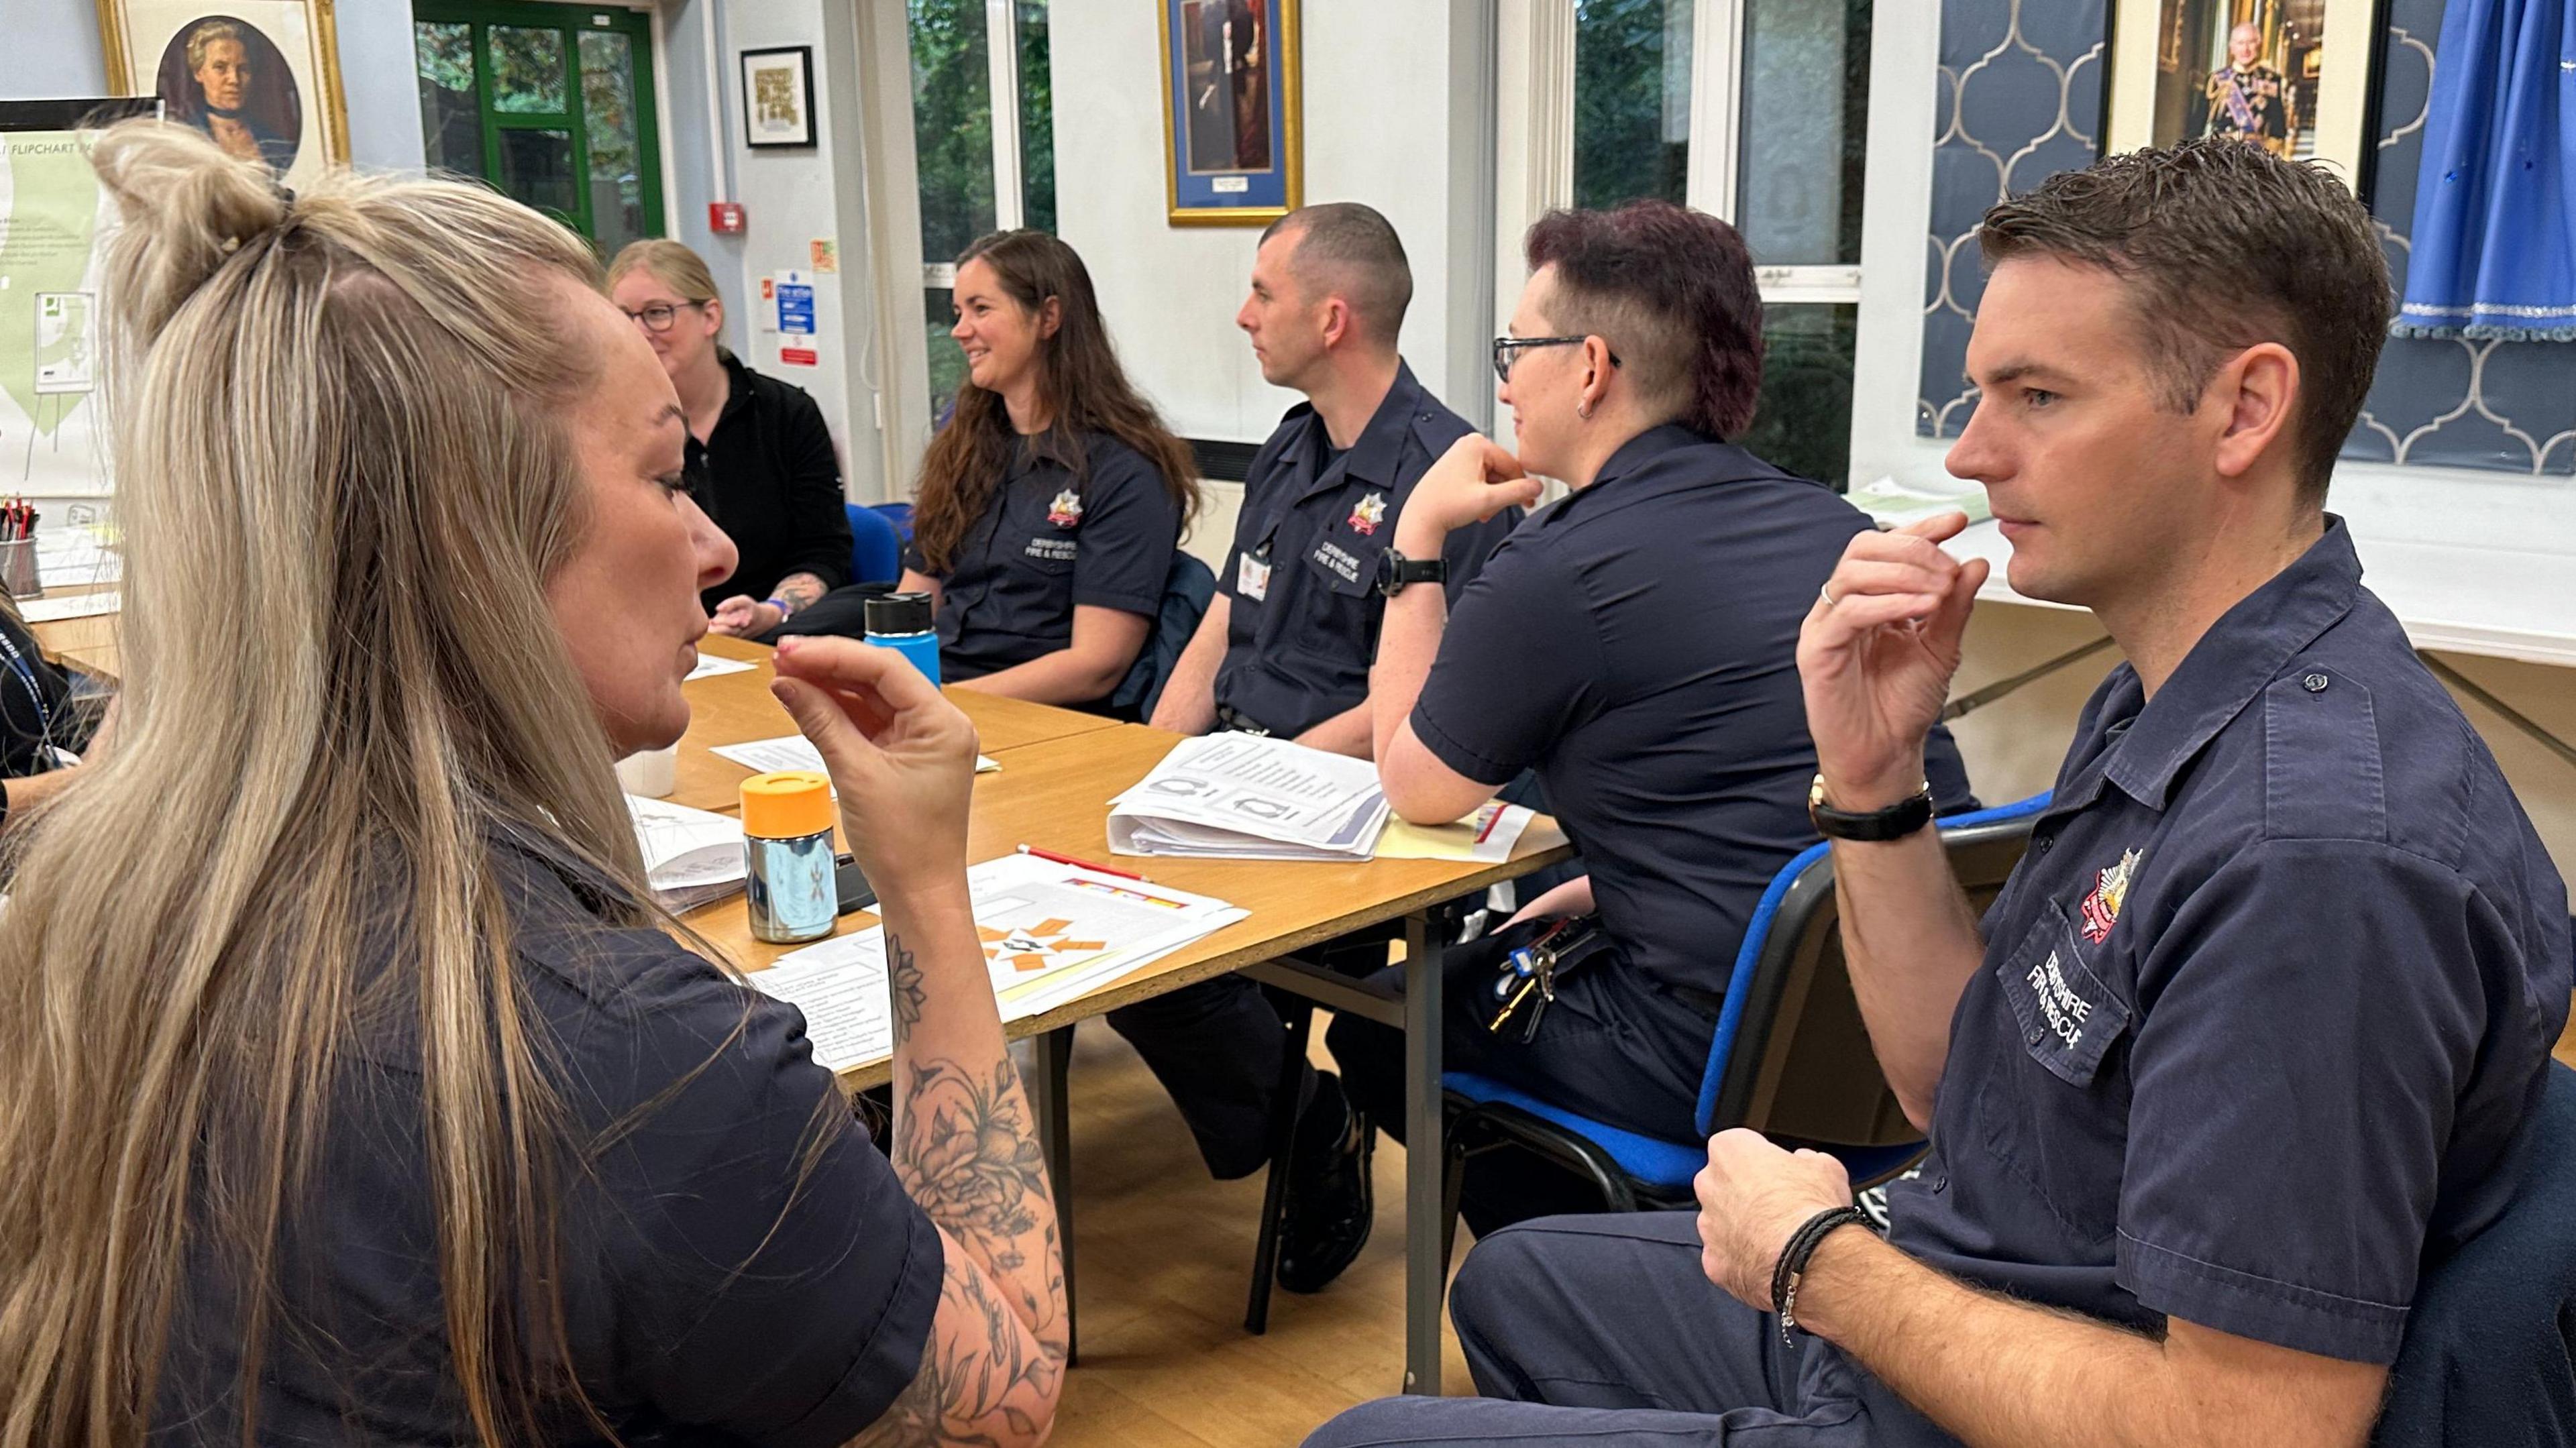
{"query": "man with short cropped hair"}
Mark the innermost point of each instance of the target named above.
(1285, 650)
(2250, 1034)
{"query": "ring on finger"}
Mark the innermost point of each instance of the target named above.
(1826, 592)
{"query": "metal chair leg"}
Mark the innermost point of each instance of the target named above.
(1053, 1054)
(1453, 1180)
(1274, 1191)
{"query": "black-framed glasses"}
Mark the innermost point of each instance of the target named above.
(659, 316)
(1508, 350)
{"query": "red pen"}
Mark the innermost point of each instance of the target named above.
(1082, 864)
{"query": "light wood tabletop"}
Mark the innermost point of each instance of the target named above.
(1056, 794)
(87, 643)
(737, 708)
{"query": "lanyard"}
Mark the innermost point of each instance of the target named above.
(26, 673)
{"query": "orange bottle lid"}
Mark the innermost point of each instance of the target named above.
(787, 805)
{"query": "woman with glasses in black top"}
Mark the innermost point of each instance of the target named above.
(759, 451)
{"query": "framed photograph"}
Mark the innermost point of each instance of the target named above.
(261, 77)
(2291, 76)
(1231, 138)
(778, 96)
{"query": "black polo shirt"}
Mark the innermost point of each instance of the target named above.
(2267, 1001)
(720, 1283)
(1303, 625)
(1048, 542)
(1637, 644)
(769, 478)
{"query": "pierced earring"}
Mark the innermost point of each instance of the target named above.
(1583, 410)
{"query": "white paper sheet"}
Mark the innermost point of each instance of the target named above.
(795, 751)
(710, 665)
(1487, 836)
(840, 985)
(691, 856)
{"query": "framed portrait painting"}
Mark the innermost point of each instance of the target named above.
(261, 77)
(778, 96)
(1231, 135)
(2291, 76)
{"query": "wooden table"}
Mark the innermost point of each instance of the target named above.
(1055, 794)
(86, 643)
(737, 708)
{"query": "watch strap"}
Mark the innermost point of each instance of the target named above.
(1894, 822)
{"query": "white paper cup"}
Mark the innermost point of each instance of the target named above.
(654, 773)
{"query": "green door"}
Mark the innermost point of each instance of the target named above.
(551, 103)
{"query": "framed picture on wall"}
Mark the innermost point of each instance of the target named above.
(778, 96)
(1232, 140)
(2291, 76)
(260, 77)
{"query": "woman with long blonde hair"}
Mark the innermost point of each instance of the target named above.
(352, 1087)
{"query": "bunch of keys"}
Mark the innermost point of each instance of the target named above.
(1531, 970)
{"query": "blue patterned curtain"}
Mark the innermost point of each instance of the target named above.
(2494, 250)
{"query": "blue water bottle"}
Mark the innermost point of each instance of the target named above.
(901, 622)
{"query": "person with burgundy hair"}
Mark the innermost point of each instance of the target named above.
(1636, 646)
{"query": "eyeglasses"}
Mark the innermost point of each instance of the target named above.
(658, 317)
(1508, 349)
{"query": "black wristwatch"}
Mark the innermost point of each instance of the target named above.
(1395, 571)
(1892, 823)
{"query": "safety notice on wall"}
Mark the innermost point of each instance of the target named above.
(798, 345)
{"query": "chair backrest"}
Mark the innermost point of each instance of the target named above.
(876, 551)
(1791, 1056)
(1187, 590)
(899, 514)
(2487, 1357)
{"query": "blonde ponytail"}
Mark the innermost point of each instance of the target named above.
(344, 480)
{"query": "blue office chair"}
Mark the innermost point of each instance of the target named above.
(1187, 590)
(1790, 1056)
(899, 514)
(876, 549)
(2487, 1357)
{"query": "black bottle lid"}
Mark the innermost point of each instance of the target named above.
(890, 614)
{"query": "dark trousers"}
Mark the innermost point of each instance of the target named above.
(1217, 1048)
(1613, 1046)
(1602, 1331)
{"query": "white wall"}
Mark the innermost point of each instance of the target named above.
(1377, 112)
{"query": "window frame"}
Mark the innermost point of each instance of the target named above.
(571, 22)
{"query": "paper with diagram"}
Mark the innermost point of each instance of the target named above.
(1248, 797)
(691, 856)
(1050, 932)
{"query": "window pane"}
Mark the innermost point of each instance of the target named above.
(1037, 120)
(451, 122)
(947, 359)
(527, 70)
(1803, 423)
(616, 152)
(536, 167)
(1805, 127)
(1632, 95)
(952, 125)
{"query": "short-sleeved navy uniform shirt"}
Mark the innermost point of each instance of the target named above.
(716, 1289)
(1048, 542)
(1637, 645)
(2266, 1002)
(1303, 619)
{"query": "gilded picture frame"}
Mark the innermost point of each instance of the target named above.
(1233, 130)
(276, 61)
(2304, 89)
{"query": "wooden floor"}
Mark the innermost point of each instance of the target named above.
(1164, 1258)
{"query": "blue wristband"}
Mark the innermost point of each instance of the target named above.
(785, 609)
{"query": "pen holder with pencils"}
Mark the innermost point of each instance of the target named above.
(18, 568)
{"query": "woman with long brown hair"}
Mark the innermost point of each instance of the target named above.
(351, 1087)
(1051, 505)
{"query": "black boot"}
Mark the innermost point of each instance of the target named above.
(1331, 1205)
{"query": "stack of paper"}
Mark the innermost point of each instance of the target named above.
(1051, 932)
(795, 751)
(710, 665)
(691, 857)
(1246, 797)
(1486, 837)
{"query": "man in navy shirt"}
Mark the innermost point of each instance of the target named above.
(1285, 650)
(2251, 1034)
(1635, 646)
